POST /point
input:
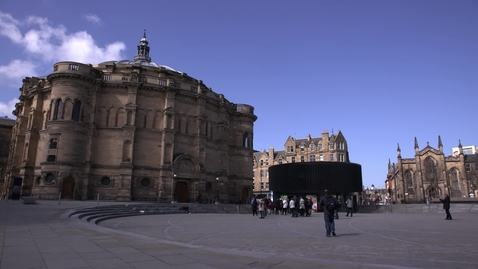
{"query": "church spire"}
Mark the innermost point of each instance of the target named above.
(399, 151)
(440, 145)
(416, 145)
(143, 49)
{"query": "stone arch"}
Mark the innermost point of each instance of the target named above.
(102, 117)
(68, 109)
(127, 149)
(434, 191)
(120, 117)
(140, 118)
(111, 117)
(157, 120)
(149, 121)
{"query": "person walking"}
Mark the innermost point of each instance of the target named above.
(328, 203)
(446, 206)
(302, 207)
(350, 207)
(254, 206)
(238, 205)
(292, 206)
(262, 208)
(285, 204)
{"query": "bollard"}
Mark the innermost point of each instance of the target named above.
(59, 198)
(97, 198)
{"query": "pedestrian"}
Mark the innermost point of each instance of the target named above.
(350, 206)
(262, 208)
(254, 206)
(302, 206)
(278, 206)
(285, 205)
(328, 203)
(238, 205)
(446, 206)
(292, 206)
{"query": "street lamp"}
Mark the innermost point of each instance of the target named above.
(174, 189)
(217, 190)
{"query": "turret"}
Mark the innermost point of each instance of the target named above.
(440, 145)
(416, 145)
(399, 151)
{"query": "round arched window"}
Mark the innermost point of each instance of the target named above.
(145, 182)
(105, 181)
(49, 178)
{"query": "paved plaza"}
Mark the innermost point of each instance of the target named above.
(45, 235)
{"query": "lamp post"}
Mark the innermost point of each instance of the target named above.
(174, 189)
(217, 190)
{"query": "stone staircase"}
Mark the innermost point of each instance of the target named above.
(98, 214)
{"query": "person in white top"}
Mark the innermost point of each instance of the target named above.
(284, 206)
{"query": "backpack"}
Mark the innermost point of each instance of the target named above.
(330, 204)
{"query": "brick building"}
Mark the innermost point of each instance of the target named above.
(130, 130)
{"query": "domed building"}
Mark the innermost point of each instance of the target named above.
(129, 130)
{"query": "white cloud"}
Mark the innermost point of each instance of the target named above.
(16, 70)
(54, 43)
(93, 18)
(7, 108)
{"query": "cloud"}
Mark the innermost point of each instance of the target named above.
(93, 18)
(16, 70)
(6, 109)
(54, 43)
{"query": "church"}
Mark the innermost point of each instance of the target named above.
(430, 174)
(129, 130)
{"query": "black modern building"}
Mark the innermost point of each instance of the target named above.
(312, 178)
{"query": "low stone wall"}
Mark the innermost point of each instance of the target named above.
(418, 208)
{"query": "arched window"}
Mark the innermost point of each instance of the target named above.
(58, 109)
(409, 181)
(431, 171)
(454, 180)
(76, 111)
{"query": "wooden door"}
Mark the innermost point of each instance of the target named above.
(182, 192)
(68, 191)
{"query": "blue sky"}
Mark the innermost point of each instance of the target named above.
(382, 72)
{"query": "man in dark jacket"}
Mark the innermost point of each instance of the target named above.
(328, 203)
(446, 206)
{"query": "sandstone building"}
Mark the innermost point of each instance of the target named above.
(6, 126)
(130, 130)
(327, 148)
(431, 174)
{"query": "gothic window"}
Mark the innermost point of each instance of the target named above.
(454, 179)
(409, 181)
(431, 171)
(76, 111)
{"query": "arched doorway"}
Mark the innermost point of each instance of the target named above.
(68, 190)
(433, 192)
(182, 192)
